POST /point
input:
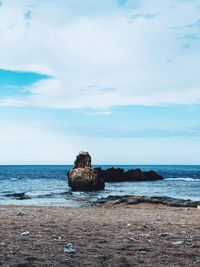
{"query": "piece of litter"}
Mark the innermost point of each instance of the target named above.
(25, 233)
(143, 252)
(197, 261)
(177, 243)
(69, 248)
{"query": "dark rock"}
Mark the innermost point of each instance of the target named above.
(30, 258)
(18, 196)
(111, 174)
(133, 200)
(83, 177)
(83, 159)
(118, 175)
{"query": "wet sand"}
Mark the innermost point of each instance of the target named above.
(108, 235)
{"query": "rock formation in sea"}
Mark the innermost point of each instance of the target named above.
(83, 177)
(119, 175)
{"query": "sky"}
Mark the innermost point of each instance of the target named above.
(117, 78)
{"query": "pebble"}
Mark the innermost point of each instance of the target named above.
(25, 233)
(128, 224)
(133, 239)
(69, 248)
(144, 235)
(81, 237)
(20, 213)
(177, 243)
(164, 234)
(152, 228)
(198, 207)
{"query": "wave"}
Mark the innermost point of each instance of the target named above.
(186, 179)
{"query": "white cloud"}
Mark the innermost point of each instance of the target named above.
(87, 44)
(10, 102)
(98, 113)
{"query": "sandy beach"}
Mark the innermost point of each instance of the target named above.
(108, 235)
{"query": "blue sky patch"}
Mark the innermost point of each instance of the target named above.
(13, 83)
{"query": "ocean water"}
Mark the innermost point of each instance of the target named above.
(48, 185)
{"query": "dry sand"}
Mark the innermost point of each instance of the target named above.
(102, 236)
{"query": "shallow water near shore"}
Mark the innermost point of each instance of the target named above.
(46, 185)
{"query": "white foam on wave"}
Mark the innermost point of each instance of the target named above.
(14, 179)
(187, 179)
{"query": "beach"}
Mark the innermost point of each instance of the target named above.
(106, 235)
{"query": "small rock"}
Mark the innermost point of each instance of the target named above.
(164, 234)
(25, 233)
(149, 241)
(81, 237)
(152, 228)
(128, 224)
(198, 207)
(133, 239)
(143, 252)
(20, 213)
(69, 248)
(144, 235)
(177, 243)
(30, 258)
(186, 208)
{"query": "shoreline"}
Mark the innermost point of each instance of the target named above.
(117, 199)
(107, 235)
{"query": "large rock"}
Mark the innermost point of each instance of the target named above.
(111, 174)
(119, 175)
(83, 177)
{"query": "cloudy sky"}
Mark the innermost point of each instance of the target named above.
(117, 78)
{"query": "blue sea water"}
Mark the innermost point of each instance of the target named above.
(47, 185)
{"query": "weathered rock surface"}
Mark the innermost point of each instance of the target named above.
(83, 177)
(83, 160)
(118, 175)
(133, 200)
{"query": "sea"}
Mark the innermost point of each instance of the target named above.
(47, 185)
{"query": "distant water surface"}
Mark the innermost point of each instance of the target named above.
(47, 184)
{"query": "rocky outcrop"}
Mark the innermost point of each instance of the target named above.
(83, 160)
(83, 177)
(138, 175)
(133, 200)
(118, 175)
(111, 174)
